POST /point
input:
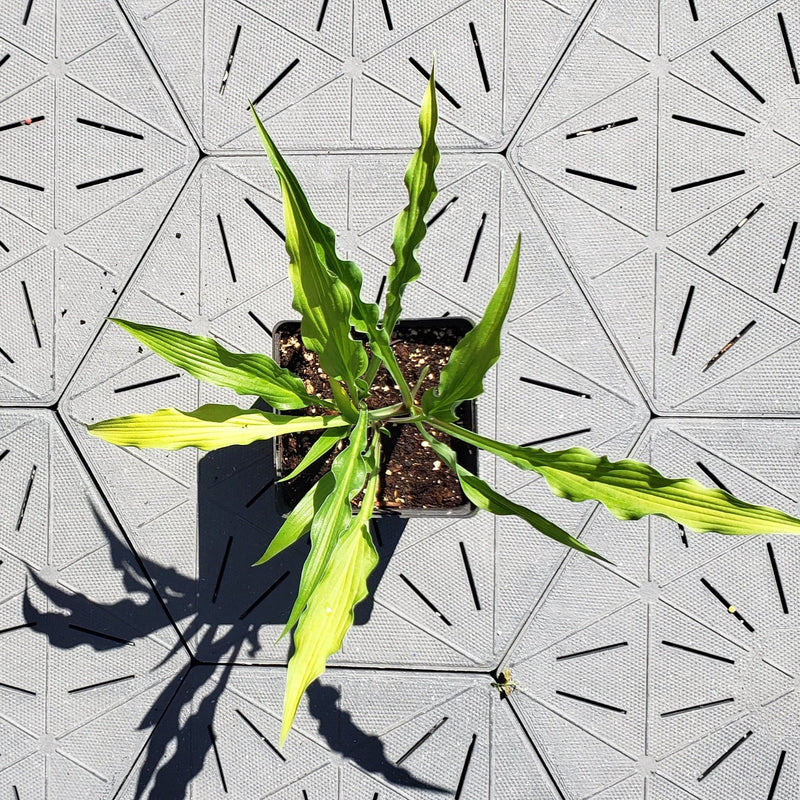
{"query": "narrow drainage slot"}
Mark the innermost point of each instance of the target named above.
(99, 684)
(213, 737)
(259, 323)
(712, 125)
(442, 91)
(425, 600)
(225, 246)
(475, 243)
(110, 128)
(746, 84)
(788, 45)
(424, 738)
(728, 752)
(739, 225)
(602, 179)
(705, 181)
(600, 128)
(261, 736)
(25, 499)
(555, 387)
(728, 607)
(441, 211)
(778, 581)
(695, 651)
(684, 314)
(592, 651)
(109, 178)
(470, 577)
(698, 707)
(730, 344)
(786, 253)
(479, 55)
(268, 485)
(31, 315)
(150, 382)
(266, 594)
(274, 83)
(591, 702)
(229, 62)
(222, 566)
(100, 635)
(21, 124)
(264, 218)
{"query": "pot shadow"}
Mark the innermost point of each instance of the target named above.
(219, 614)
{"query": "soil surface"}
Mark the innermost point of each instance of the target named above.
(413, 475)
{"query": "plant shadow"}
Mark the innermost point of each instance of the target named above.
(222, 615)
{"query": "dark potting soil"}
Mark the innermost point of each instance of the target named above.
(413, 475)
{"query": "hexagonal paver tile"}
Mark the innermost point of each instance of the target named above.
(90, 659)
(209, 518)
(94, 154)
(678, 664)
(670, 182)
(319, 72)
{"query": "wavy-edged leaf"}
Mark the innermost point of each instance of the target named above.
(410, 227)
(326, 440)
(349, 471)
(298, 523)
(329, 613)
(486, 498)
(631, 490)
(209, 361)
(364, 315)
(321, 297)
(462, 377)
(208, 428)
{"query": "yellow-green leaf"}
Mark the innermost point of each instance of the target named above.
(209, 361)
(410, 227)
(319, 295)
(486, 498)
(326, 440)
(462, 377)
(363, 315)
(349, 471)
(631, 490)
(298, 523)
(329, 613)
(208, 428)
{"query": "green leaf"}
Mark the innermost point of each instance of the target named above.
(363, 316)
(410, 227)
(208, 428)
(327, 439)
(329, 613)
(462, 377)
(349, 471)
(486, 498)
(298, 523)
(631, 490)
(323, 299)
(209, 361)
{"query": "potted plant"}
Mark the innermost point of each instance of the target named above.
(349, 342)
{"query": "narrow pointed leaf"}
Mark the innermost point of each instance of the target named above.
(462, 377)
(327, 439)
(410, 227)
(364, 315)
(322, 298)
(329, 613)
(209, 361)
(208, 428)
(349, 471)
(298, 523)
(631, 490)
(486, 498)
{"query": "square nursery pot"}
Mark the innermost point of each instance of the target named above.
(414, 482)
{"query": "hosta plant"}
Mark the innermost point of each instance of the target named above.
(327, 295)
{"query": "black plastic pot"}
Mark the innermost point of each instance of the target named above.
(467, 455)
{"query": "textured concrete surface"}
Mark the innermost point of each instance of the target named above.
(651, 166)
